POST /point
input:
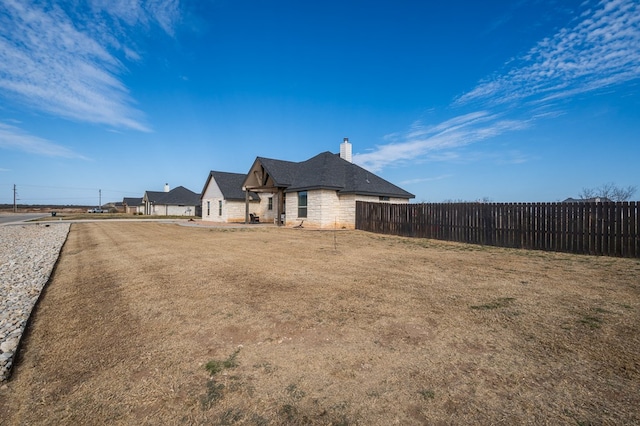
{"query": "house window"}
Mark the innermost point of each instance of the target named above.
(383, 198)
(208, 208)
(270, 207)
(302, 204)
(219, 207)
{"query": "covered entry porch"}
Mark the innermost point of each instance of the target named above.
(268, 176)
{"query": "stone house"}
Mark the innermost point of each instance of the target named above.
(179, 201)
(320, 192)
(132, 205)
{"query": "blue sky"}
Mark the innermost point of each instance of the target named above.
(528, 100)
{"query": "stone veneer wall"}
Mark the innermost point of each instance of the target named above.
(328, 210)
(165, 210)
(232, 211)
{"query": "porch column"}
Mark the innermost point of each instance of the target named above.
(280, 209)
(246, 206)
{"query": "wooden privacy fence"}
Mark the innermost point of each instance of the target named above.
(610, 229)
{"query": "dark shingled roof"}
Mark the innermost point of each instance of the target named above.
(179, 196)
(329, 171)
(282, 172)
(230, 185)
(129, 201)
(154, 196)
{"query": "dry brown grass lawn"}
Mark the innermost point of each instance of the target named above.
(322, 327)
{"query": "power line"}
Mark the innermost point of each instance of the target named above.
(76, 189)
(54, 198)
(56, 187)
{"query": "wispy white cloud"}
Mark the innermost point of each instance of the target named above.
(14, 138)
(601, 50)
(165, 13)
(66, 63)
(425, 140)
(421, 180)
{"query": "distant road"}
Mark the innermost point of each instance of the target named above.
(7, 218)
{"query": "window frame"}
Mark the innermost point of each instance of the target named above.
(303, 208)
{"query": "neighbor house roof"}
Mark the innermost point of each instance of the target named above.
(179, 196)
(154, 196)
(230, 185)
(328, 171)
(587, 200)
(131, 201)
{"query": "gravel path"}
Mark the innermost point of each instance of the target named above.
(27, 256)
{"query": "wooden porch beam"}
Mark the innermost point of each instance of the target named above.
(246, 206)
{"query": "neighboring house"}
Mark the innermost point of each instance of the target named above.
(587, 200)
(321, 191)
(224, 200)
(133, 205)
(119, 206)
(176, 202)
(113, 207)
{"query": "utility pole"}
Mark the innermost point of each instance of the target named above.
(15, 206)
(99, 198)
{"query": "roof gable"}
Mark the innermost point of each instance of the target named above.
(153, 196)
(268, 173)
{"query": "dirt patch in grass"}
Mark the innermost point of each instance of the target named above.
(148, 323)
